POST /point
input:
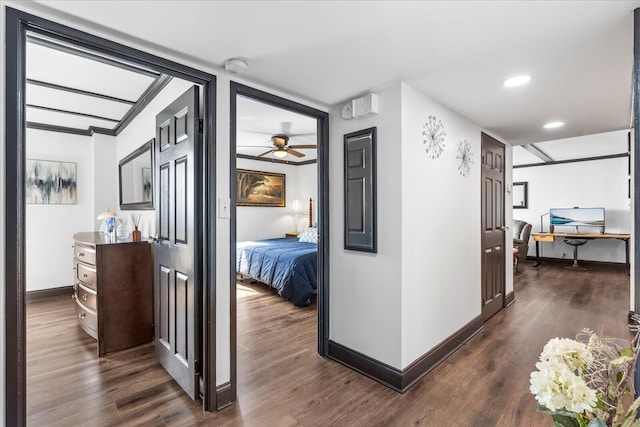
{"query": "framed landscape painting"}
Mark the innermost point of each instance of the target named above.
(50, 182)
(255, 188)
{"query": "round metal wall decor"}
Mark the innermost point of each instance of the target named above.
(433, 132)
(464, 156)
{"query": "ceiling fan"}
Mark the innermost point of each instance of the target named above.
(281, 147)
(280, 144)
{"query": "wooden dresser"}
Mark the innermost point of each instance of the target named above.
(113, 290)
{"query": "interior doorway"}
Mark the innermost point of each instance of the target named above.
(19, 24)
(317, 211)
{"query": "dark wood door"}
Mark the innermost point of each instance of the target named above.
(493, 227)
(177, 284)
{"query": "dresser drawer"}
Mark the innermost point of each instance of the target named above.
(86, 274)
(86, 296)
(86, 254)
(88, 319)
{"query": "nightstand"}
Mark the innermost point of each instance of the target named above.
(292, 234)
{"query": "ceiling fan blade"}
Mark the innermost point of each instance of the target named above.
(295, 153)
(266, 152)
(286, 127)
(293, 135)
(253, 146)
(302, 146)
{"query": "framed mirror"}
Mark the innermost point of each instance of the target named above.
(520, 195)
(135, 174)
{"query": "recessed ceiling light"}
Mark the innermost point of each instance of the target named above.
(517, 81)
(553, 125)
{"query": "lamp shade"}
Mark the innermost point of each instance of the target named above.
(107, 214)
(296, 207)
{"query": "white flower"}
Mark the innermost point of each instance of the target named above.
(574, 353)
(556, 386)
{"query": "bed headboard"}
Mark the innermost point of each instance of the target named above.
(310, 212)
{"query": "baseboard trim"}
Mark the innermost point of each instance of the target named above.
(509, 299)
(403, 380)
(48, 293)
(385, 374)
(418, 369)
(570, 260)
(224, 396)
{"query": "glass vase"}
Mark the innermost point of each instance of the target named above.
(123, 230)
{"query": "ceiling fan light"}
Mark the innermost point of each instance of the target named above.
(280, 153)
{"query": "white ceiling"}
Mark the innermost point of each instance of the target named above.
(74, 90)
(457, 52)
(257, 122)
(566, 149)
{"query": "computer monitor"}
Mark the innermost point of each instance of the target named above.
(577, 217)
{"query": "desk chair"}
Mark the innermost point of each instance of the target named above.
(575, 243)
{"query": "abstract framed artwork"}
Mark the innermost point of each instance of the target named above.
(256, 188)
(50, 182)
(360, 208)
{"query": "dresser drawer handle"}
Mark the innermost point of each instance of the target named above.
(81, 254)
(84, 297)
(82, 315)
(84, 276)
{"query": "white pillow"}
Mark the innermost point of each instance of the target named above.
(309, 235)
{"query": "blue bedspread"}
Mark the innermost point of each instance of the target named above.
(288, 265)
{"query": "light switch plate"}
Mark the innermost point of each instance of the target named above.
(224, 208)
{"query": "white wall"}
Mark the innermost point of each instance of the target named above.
(49, 228)
(308, 188)
(441, 263)
(137, 133)
(257, 222)
(598, 183)
(105, 173)
(366, 288)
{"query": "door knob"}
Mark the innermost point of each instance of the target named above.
(503, 228)
(155, 238)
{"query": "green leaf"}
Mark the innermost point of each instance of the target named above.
(564, 421)
(627, 352)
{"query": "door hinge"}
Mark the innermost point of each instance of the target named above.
(200, 125)
(196, 367)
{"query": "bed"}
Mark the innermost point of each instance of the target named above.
(288, 265)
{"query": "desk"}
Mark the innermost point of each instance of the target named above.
(550, 237)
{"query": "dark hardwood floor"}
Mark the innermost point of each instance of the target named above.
(283, 382)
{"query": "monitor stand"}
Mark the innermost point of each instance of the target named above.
(575, 243)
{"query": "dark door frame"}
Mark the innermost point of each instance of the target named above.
(322, 209)
(18, 23)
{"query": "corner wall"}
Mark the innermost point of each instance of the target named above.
(441, 248)
(366, 288)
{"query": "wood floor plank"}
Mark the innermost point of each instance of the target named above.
(283, 382)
